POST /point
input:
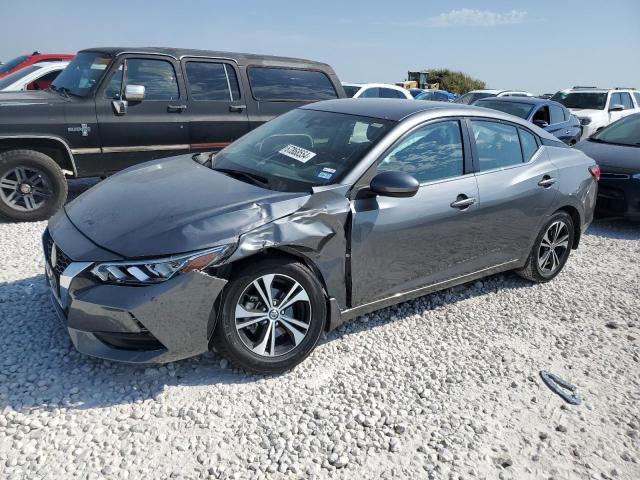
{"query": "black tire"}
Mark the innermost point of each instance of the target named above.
(51, 180)
(532, 269)
(227, 339)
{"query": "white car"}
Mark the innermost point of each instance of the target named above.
(32, 77)
(376, 90)
(470, 97)
(598, 107)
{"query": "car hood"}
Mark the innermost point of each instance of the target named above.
(586, 112)
(174, 205)
(608, 155)
(29, 97)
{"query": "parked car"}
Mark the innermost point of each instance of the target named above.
(311, 219)
(616, 149)
(470, 97)
(22, 61)
(38, 76)
(416, 91)
(437, 96)
(598, 107)
(549, 115)
(375, 90)
(91, 122)
(546, 96)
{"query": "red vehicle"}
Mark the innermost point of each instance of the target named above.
(24, 60)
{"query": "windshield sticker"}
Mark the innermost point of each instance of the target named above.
(297, 153)
(325, 175)
(329, 170)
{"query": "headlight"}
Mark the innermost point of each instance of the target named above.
(636, 176)
(584, 120)
(144, 272)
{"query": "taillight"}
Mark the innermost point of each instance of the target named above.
(595, 171)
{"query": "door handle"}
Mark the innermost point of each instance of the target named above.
(546, 181)
(237, 108)
(463, 202)
(176, 108)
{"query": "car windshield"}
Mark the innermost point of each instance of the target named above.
(587, 100)
(351, 90)
(301, 149)
(623, 132)
(11, 64)
(469, 98)
(82, 74)
(518, 109)
(15, 76)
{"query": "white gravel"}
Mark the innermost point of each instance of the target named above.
(446, 386)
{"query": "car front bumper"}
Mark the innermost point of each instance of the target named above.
(618, 197)
(156, 323)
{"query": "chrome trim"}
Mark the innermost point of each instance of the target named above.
(69, 273)
(417, 292)
(86, 151)
(145, 148)
(20, 104)
(47, 137)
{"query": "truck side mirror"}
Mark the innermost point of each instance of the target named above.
(616, 107)
(134, 93)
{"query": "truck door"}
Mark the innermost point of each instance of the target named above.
(216, 105)
(136, 130)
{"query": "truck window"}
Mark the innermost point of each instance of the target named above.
(281, 84)
(212, 81)
(157, 76)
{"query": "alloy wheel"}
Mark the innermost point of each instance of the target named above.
(273, 315)
(554, 246)
(24, 188)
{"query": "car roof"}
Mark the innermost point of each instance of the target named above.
(370, 85)
(395, 109)
(178, 53)
(51, 64)
(531, 100)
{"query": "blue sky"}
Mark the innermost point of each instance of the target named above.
(540, 46)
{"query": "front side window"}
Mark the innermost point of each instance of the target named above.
(158, 77)
(557, 115)
(373, 92)
(637, 97)
(586, 100)
(302, 149)
(212, 81)
(615, 100)
(390, 93)
(497, 144)
(82, 74)
(432, 152)
(280, 84)
(625, 100)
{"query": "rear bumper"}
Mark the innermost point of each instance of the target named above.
(150, 324)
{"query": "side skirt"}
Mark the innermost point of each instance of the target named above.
(350, 313)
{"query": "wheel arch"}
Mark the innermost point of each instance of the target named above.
(54, 147)
(575, 216)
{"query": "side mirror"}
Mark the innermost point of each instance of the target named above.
(616, 107)
(134, 93)
(394, 184)
(541, 123)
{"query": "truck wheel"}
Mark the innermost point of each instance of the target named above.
(32, 186)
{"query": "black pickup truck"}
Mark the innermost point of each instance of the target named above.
(115, 107)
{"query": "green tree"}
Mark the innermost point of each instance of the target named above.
(456, 82)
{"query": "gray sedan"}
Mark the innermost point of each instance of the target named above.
(328, 212)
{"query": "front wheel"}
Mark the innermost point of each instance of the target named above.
(273, 313)
(32, 186)
(551, 249)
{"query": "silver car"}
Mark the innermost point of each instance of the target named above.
(328, 212)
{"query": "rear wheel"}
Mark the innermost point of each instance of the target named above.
(551, 249)
(32, 186)
(273, 313)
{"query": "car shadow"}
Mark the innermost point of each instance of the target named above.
(617, 229)
(40, 367)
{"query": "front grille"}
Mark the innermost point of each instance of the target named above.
(62, 260)
(615, 176)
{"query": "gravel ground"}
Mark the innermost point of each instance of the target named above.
(445, 386)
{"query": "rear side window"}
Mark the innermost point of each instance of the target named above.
(615, 100)
(373, 92)
(212, 81)
(432, 152)
(157, 76)
(529, 144)
(268, 83)
(557, 115)
(390, 93)
(497, 144)
(626, 100)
